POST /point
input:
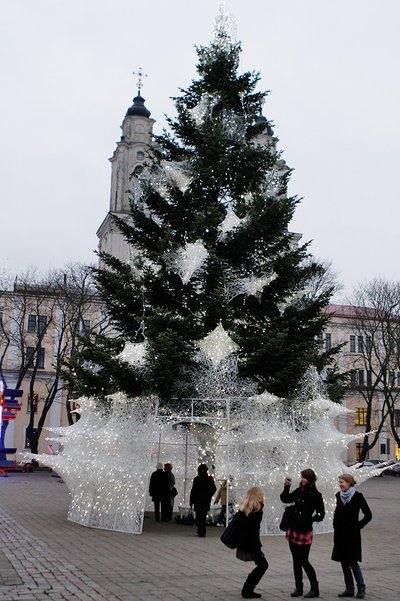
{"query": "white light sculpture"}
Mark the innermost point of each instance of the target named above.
(217, 345)
(187, 260)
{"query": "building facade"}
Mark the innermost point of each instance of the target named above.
(366, 387)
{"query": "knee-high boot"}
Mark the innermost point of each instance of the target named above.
(314, 591)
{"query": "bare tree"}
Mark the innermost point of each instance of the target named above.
(49, 316)
(376, 365)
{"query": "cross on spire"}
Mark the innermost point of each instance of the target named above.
(140, 74)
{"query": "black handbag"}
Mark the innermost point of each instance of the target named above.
(173, 492)
(230, 535)
(288, 517)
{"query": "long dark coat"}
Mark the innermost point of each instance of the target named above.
(308, 504)
(203, 488)
(159, 486)
(249, 531)
(347, 526)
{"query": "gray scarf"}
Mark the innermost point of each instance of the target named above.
(348, 495)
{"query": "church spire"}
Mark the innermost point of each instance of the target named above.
(138, 108)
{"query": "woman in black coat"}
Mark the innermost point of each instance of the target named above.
(203, 488)
(347, 535)
(249, 545)
(308, 508)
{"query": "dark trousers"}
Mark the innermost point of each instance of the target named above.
(351, 568)
(300, 555)
(255, 576)
(164, 509)
(201, 517)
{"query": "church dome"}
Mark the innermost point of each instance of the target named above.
(138, 109)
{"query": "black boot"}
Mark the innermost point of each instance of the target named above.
(314, 591)
(246, 594)
(298, 591)
(347, 593)
(361, 591)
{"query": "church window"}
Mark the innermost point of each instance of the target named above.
(140, 155)
(138, 169)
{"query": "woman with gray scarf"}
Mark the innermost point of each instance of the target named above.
(347, 536)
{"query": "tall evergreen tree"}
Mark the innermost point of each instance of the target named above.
(213, 252)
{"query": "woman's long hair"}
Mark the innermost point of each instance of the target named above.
(310, 476)
(253, 501)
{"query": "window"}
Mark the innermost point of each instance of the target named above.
(359, 447)
(33, 355)
(1, 320)
(352, 344)
(368, 344)
(361, 416)
(31, 323)
(392, 378)
(369, 378)
(388, 446)
(37, 323)
(328, 342)
(361, 379)
(397, 417)
(360, 344)
(354, 378)
(85, 325)
(140, 155)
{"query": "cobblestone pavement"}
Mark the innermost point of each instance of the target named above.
(45, 557)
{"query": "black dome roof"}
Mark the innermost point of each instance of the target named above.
(138, 109)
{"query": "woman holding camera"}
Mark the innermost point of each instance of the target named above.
(308, 508)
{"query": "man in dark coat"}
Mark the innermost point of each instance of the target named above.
(159, 492)
(203, 489)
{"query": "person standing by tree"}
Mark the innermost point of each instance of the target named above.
(309, 508)
(347, 536)
(249, 544)
(203, 489)
(159, 492)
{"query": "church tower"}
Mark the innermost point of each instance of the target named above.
(128, 158)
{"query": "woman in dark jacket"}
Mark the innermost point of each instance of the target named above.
(249, 545)
(308, 508)
(203, 488)
(347, 536)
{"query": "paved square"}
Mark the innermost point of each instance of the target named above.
(45, 557)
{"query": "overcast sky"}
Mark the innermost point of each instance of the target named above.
(66, 82)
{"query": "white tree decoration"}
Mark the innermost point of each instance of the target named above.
(134, 353)
(217, 345)
(177, 174)
(230, 223)
(105, 462)
(203, 109)
(187, 260)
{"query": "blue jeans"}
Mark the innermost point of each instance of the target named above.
(351, 568)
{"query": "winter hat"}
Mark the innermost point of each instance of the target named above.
(160, 466)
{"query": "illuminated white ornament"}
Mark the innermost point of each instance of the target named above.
(188, 260)
(225, 28)
(177, 173)
(254, 285)
(218, 345)
(203, 109)
(230, 223)
(134, 353)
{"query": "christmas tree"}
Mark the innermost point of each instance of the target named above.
(215, 270)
